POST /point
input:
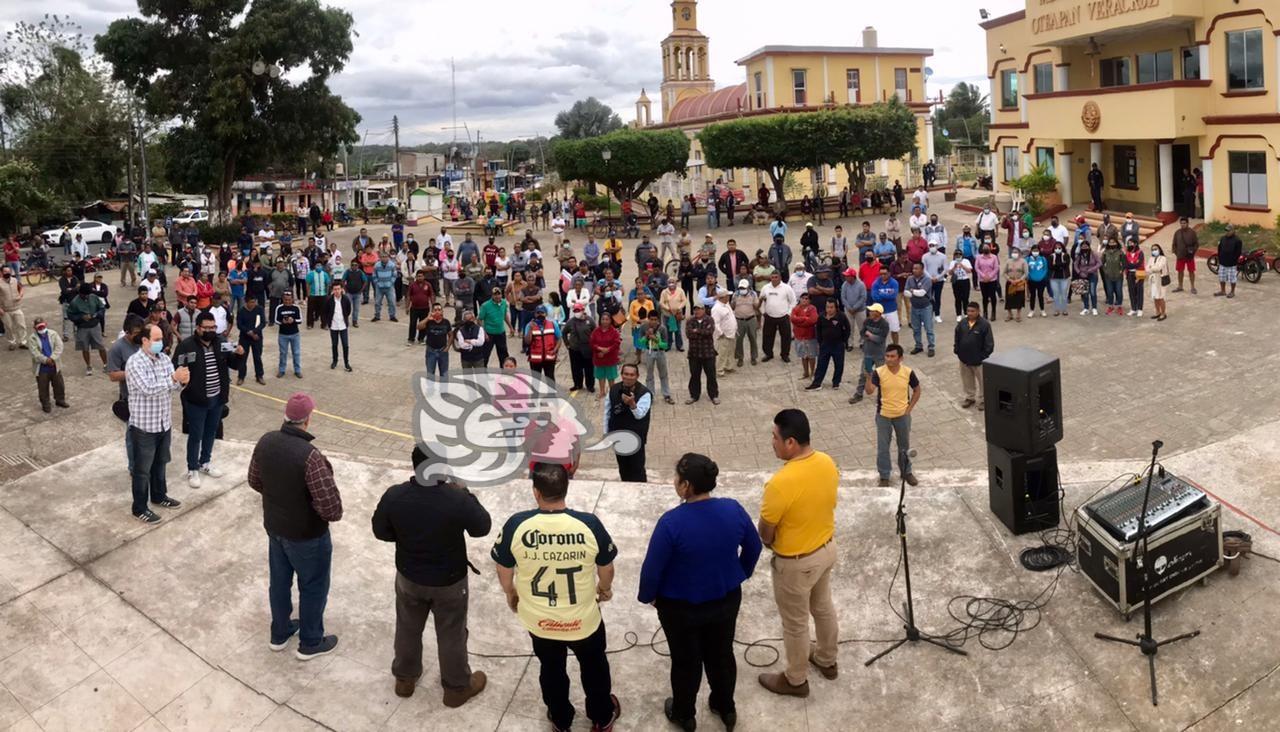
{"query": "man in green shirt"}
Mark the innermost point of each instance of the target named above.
(655, 341)
(493, 318)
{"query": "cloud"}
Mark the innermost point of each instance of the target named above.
(517, 64)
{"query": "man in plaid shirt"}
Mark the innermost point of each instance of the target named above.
(299, 501)
(152, 379)
(699, 331)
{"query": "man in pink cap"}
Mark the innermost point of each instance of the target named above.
(299, 501)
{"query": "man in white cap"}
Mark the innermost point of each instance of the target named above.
(746, 310)
(299, 501)
(726, 332)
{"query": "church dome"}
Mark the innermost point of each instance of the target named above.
(713, 104)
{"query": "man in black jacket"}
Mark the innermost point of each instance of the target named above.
(335, 314)
(299, 501)
(429, 522)
(833, 335)
(205, 354)
(1230, 250)
(974, 343)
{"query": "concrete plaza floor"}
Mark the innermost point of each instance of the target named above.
(107, 624)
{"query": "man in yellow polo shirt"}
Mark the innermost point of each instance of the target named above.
(897, 390)
(798, 521)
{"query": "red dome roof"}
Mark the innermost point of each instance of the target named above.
(713, 104)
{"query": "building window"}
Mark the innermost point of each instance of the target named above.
(1009, 89)
(798, 87)
(759, 86)
(1191, 63)
(1125, 158)
(1154, 67)
(1248, 178)
(854, 83)
(1244, 59)
(1043, 78)
(900, 83)
(1011, 169)
(1044, 156)
(1114, 71)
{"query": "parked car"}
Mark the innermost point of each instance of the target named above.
(88, 230)
(194, 216)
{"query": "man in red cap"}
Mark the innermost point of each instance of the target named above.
(853, 300)
(299, 501)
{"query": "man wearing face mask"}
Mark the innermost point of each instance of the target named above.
(935, 268)
(46, 353)
(151, 380)
(542, 343)
(1130, 229)
(935, 233)
(207, 390)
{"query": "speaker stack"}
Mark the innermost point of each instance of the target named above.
(1022, 401)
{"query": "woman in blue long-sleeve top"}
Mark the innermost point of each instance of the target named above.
(699, 555)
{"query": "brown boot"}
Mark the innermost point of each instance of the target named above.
(830, 673)
(911, 479)
(405, 687)
(778, 684)
(458, 697)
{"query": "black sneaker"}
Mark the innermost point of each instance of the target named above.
(688, 725)
(729, 719)
(168, 503)
(279, 645)
(147, 517)
(333, 365)
(766, 359)
(916, 350)
(786, 359)
(347, 367)
(930, 353)
(324, 647)
(855, 398)
(813, 387)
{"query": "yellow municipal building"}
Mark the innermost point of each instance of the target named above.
(1148, 91)
(779, 80)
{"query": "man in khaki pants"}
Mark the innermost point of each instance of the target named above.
(726, 333)
(797, 521)
(15, 323)
(974, 343)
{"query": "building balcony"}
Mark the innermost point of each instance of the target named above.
(1159, 111)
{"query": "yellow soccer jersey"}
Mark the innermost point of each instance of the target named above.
(555, 554)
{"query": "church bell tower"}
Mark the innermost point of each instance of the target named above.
(685, 60)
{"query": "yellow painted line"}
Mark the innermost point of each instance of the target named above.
(326, 414)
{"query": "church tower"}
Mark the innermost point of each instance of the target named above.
(685, 61)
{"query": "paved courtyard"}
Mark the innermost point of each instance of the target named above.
(107, 624)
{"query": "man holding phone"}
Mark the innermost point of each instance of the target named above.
(205, 394)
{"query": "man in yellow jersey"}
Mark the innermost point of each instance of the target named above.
(898, 391)
(556, 567)
(798, 521)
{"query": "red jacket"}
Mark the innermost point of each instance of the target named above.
(869, 272)
(607, 339)
(804, 319)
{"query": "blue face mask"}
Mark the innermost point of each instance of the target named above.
(157, 347)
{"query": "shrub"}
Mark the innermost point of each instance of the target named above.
(218, 234)
(1033, 186)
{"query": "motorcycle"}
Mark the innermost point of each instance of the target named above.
(1251, 265)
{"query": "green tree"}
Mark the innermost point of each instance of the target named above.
(778, 145)
(587, 118)
(1034, 185)
(23, 200)
(964, 116)
(637, 159)
(195, 63)
(856, 137)
(63, 112)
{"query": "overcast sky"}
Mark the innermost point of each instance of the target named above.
(518, 62)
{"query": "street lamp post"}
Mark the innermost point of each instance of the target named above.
(607, 154)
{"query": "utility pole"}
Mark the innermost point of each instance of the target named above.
(142, 156)
(395, 129)
(129, 178)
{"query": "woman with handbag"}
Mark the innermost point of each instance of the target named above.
(1158, 273)
(1015, 294)
(1135, 272)
(1085, 283)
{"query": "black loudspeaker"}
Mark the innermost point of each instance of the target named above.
(1023, 488)
(1022, 392)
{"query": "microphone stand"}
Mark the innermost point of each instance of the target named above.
(1145, 641)
(913, 633)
